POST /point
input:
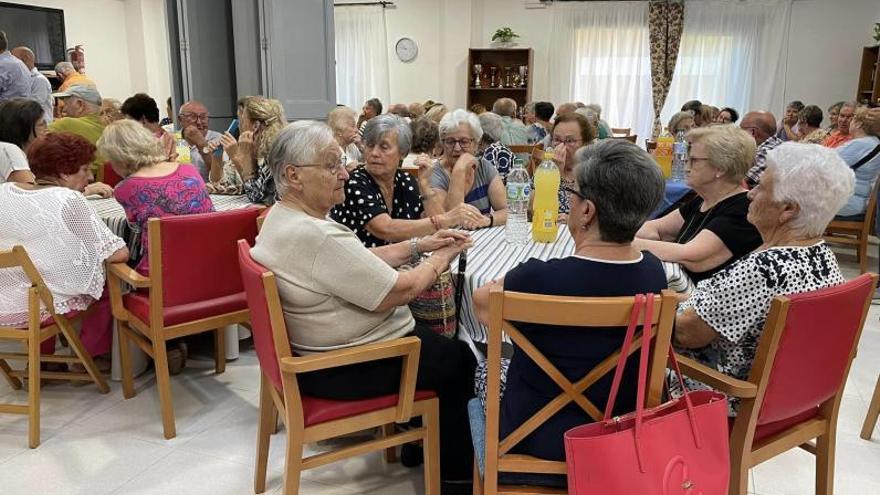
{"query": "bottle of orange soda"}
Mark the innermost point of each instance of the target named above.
(545, 209)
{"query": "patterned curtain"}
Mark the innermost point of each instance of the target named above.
(665, 22)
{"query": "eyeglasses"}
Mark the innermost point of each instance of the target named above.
(334, 168)
(462, 143)
(201, 117)
(569, 190)
(567, 141)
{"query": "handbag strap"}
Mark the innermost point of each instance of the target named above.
(865, 159)
(638, 303)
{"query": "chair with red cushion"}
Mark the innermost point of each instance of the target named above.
(793, 392)
(310, 419)
(31, 336)
(193, 288)
(108, 175)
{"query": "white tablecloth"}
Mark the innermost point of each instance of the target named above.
(492, 257)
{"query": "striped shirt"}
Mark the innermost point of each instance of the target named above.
(478, 196)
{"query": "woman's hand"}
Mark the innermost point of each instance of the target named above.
(560, 154)
(443, 239)
(562, 218)
(246, 144)
(98, 188)
(464, 215)
(466, 165)
(425, 165)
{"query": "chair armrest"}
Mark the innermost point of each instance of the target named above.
(128, 275)
(716, 379)
(406, 348)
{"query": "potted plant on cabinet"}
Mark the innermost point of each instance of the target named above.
(504, 37)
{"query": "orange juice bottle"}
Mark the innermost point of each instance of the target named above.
(663, 153)
(545, 209)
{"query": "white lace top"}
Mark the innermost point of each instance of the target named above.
(66, 241)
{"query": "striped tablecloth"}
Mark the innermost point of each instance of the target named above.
(492, 257)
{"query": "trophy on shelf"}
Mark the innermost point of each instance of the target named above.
(478, 71)
(508, 77)
(493, 71)
(523, 75)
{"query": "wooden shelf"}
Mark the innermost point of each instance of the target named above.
(869, 76)
(497, 89)
(501, 58)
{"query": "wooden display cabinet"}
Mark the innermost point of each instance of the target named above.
(869, 76)
(508, 81)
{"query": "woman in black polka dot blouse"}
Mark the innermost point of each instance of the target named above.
(384, 204)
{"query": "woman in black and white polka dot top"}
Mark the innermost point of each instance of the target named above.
(383, 204)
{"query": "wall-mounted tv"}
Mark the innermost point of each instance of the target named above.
(38, 28)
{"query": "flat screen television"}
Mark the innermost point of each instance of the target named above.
(38, 28)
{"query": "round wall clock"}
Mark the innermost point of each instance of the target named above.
(407, 49)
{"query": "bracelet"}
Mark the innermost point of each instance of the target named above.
(436, 270)
(414, 250)
(491, 220)
(435, 222)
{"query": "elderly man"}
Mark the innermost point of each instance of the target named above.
(762, 126)
(41, 90)
(543, 112)
(371, 108)
(842, 134)
(15, 79)
(514, 132)
(194, 136)
(70, 77)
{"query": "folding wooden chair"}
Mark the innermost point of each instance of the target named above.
(873, 413)
(855, 234)
(310, 419)
(507, 309)
(36, 332)
(793, 392)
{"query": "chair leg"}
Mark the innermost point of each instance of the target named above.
(6, 371)
(873, 413)
(862, 252)
(84, 357)
(739, 475)
(478, 480)
(219, 350)
(293, 461)
(33, 351)
(163, 383)
(431, 447)
(390, 452)
(825, 446)
(125, 363)
(264, 434)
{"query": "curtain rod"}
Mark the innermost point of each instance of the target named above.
(349, 4)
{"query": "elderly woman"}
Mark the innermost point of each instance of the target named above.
(833, 115)
(720, 324)
(862, 155)
(458, 177)
(617, 186)
(570, 132)
(329, 304)
(788, 130)
(681, 121)
(425, 138)
(21, 122)
(52, 220)
(152, 186)
(809, 125)
(437, 112)
(711, 231)
(383, 203)
(490, 148)
(260, 119)
(342, 120)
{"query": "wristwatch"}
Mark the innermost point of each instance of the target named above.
(206, 150)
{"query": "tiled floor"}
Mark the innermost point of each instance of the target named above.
(97, 444)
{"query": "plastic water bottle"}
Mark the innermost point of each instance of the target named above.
(516, 230)
(546, 206)
(679, 157)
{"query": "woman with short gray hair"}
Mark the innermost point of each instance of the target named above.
(490, 148)
(383, 203)
(338, 294)
(720, 324)
(617, 185)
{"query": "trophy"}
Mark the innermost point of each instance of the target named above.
(523, 75)
(508, 77)
(492, 72)
(477, 70)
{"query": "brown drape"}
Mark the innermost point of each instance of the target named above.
(665, 24)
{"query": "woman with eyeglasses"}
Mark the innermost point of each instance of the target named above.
(459, 177)
(711, 231)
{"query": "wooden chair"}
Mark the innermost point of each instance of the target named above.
(793, 392)
(310, 419)
(620, 131)
(508, 308)
(855, 233)
(650, 145)
(873, 413)
(193, 288)
(108, 175)
(36, 332)
(629, 137)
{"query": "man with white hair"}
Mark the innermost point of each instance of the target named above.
(70, 77)
(15, 79)
(514, 131)
(41, 90)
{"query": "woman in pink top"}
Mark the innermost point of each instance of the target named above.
(152, 187)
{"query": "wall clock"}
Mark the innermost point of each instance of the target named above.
(407, 49)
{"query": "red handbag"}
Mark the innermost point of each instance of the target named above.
(677, 448)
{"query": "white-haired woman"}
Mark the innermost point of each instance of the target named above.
(803, 187)
(458, 177)
(336, 293)
(710, 232)
(383, 204)
(343, 121)
(490, 147)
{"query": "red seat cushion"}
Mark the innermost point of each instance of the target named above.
(317, 410)
(769, 429)
(138, 303)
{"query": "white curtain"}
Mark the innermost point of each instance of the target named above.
(599, 54)
(361, 55)
(732, 54)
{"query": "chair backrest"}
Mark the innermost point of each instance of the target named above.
(650, 145)
(620, 131)
(507, 309)
(871, 209)
(807, 346)
(267, 320)
(630, 137)
(17, 257)
(109, 177)
(522, 148)
(193, 257)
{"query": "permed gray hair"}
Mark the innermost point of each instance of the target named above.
(814, 177)
(455, 118)
(298, 143)
(492, 125)
(130, 145)
(731, 150)
(505, 107)
(624, 183)
(379, 126)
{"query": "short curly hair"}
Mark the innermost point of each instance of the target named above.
(425, 135)
(59, 153)
(731, 150)
(130, 146)
(588, 132)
